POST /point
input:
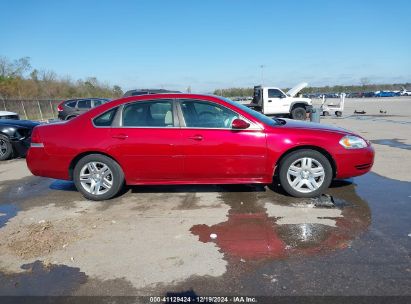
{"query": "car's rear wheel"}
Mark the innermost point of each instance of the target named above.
(338, 113)
(299, 113)
(98, 177)
(305, 173)
(6, 149)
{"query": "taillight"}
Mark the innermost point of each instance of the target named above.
(60, 107)
(35, 136)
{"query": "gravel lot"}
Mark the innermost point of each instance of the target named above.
(218, 240)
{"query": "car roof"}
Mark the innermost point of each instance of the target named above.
(7, 113)
(147, 92)
(97, 98)
(168, 96)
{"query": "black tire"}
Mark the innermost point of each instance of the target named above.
(338, 113)
(294, 156)
(6, 149)
(71, 117)
(299, 113)
(326, 113)
(117, 176)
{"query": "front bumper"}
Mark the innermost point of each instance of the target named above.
(352, 163)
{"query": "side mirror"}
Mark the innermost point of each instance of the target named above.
(239, 124)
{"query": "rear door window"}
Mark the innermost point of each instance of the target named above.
(84, 104)
(71, 104)
(157, 113)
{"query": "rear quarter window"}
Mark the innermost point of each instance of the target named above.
(105, 119)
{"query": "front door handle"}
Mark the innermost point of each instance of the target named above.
(196, 137)
(120, 136)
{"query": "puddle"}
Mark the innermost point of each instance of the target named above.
(264, 225)
(23, 189)
(38, 279)
(7, 211)
(33, 191)
(63, 185)
(395, 143)
(283, 231)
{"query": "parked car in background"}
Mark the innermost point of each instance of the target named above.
(71, 108)
(384, 94)
(15, 137)
(147, 91)
(193, 139)
(368, 94)
(355, 95)
(405, 93)
(8, 115)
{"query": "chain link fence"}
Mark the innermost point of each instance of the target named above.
(32, 109)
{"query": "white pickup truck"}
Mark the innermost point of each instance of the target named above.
(273, 101)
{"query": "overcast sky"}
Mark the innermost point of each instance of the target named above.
(212, 44)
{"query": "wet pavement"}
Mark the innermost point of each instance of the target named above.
(395, 143)
(206, 240)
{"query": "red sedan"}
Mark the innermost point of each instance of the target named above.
(193, 139)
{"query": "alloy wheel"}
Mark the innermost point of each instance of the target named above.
(96, 178)
(305, 175)
(3, 147)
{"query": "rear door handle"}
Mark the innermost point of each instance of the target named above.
(196, 137)
(120, 136)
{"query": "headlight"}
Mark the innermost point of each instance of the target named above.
(353, 142)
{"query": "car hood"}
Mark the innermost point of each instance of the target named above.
(19, 123)
(293, 91)
(296, 124)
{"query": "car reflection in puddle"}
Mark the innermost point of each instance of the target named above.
(275, 230)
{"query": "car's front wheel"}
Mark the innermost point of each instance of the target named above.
(6, 149)
(98, 177)
(305, 173)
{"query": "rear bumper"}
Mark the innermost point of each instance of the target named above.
(354, 162)
(41, 164)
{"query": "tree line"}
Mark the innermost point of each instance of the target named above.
(18, 79)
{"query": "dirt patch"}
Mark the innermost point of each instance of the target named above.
(40, 239)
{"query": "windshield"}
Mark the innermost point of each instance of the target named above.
(261, 117)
